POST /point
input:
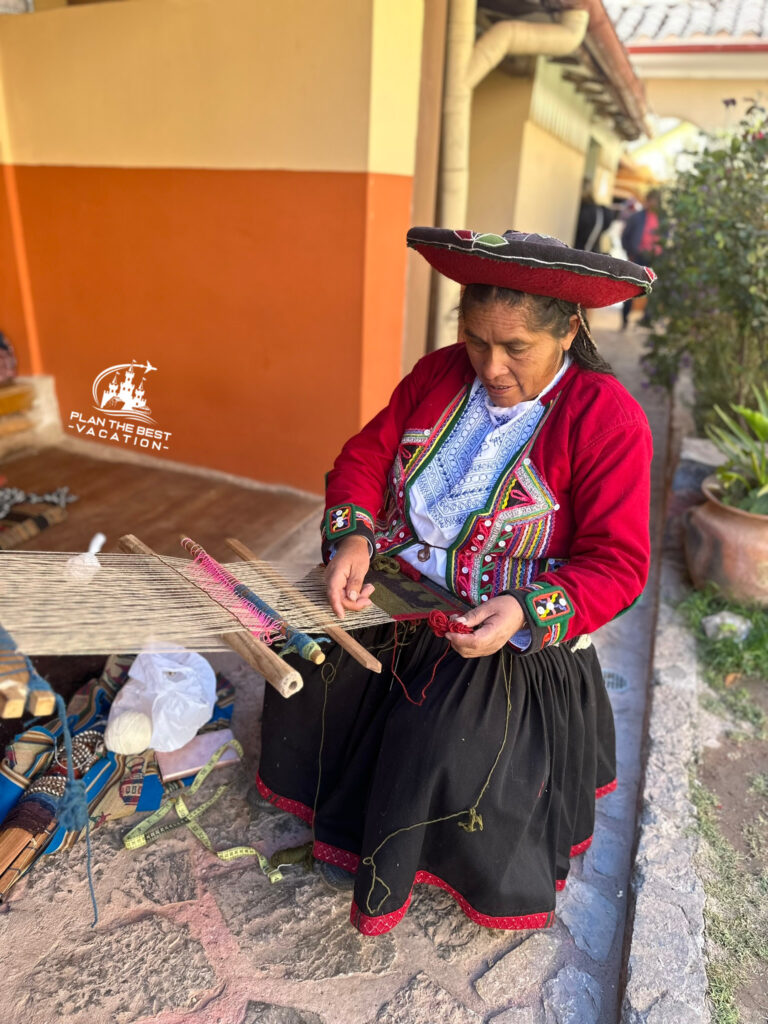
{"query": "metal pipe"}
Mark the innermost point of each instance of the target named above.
(526, 37)
(467, 64)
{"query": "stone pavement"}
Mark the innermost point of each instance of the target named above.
(184, 938)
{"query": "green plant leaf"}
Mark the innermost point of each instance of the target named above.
(762, 398)
(758, 505)
(749, 446)
(755, 420)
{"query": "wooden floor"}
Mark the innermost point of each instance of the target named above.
(157, 505)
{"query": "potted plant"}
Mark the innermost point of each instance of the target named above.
(726, 538)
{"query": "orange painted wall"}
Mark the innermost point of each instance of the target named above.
(11, 308)
(388, 211)
(182, 267)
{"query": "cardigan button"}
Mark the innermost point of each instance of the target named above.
(465, 569)
(480, 536)
(488, 522)
(487, 558)
(485, 578)
(473, 548)
(526, 462)
(556, 508)
(483, 597)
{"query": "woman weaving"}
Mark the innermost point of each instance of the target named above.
(513, 469)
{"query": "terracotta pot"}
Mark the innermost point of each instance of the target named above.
(728, 547)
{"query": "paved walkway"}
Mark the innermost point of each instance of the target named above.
(186, 939)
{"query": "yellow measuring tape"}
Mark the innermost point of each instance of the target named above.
(148, 830)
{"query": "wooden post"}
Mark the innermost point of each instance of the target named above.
(14, 679)
(41, 703)
(286, 680)
(13, 698)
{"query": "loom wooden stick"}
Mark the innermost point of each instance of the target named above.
(286, 680)
(341, 636)
(18, 849)
(300, 642)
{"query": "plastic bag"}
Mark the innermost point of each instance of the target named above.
(175, 688)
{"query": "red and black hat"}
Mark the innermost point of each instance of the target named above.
(537, 264)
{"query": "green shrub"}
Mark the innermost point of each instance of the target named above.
(710, 303)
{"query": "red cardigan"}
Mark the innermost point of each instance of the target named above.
(566, 527)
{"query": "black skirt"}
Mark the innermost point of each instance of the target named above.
(475, 775)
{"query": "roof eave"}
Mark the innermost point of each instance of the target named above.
(607, 50)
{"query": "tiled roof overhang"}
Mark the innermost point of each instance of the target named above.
(600, 69)
(718, 24)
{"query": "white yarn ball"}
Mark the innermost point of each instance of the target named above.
(128, 733)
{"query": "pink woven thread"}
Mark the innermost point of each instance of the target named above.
(214, 579)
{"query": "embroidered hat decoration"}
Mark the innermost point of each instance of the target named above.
(537, 264)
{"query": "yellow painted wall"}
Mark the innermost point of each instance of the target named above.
(528, 152)
(549, 184)
(230, 178)
(216, 83)
(394, 85)
(500, 106)
(700, 100)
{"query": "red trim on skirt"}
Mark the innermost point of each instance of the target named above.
(335, 855)
(385, 922)
(292, 806)
(581, 847)
(605, 790)
(378, 925)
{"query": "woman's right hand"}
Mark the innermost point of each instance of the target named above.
(344, 576)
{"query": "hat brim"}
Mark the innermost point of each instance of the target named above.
(533, 264)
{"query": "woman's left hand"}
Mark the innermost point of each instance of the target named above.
(493, 623)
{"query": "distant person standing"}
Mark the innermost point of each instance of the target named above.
(640, 239)
(593, 221)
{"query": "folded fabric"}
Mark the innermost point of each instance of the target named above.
(33, 773)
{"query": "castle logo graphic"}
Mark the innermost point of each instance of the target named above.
(122, 412)
(120, 391)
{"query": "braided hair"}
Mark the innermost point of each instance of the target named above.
(543, 313)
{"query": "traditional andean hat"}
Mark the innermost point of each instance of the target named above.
(537, 264)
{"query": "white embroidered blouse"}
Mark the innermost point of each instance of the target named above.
(460, 477)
